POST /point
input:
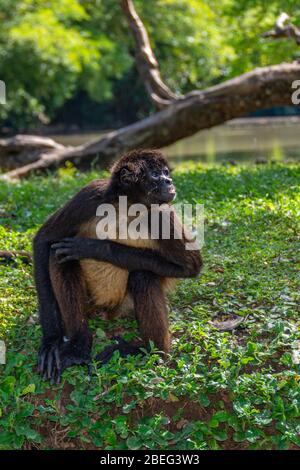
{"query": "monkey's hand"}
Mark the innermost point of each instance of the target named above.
(70, 249)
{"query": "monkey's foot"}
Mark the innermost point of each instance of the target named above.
(54, 358)
(69, 359)
(124, 348)
(49, 363)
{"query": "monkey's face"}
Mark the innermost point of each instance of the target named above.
(152, 184)
(146, 178)
(158, 185)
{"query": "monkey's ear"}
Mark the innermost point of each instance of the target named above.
(127, 177)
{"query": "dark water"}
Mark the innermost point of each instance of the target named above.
(276, 139)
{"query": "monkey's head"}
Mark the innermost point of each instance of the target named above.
(144, 176)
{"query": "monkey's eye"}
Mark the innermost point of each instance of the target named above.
(166, 171)
(155, 174)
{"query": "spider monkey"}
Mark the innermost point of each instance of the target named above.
(76, 272)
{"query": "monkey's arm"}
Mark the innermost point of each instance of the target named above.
(171, 259)
(129, 258)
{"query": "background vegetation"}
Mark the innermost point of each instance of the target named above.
(70, 61)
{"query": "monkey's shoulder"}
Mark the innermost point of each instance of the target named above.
(96, 189)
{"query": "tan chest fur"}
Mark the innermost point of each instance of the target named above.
(107, 284)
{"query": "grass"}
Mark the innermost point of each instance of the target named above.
(230, 390)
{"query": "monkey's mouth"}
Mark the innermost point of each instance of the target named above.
(165, 194)
(169, 193)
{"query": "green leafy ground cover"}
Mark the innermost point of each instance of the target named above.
(232, 390)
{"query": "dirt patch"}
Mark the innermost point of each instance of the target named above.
(62, 398)
(181, 411)
(189, 410)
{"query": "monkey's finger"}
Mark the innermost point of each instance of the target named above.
(41, 363)
(56, 376)
(65, 242)
(66, 255)
(64, 259)
(58, 245)
(62, 251)
(53, 376)
(57, 358)
(40, 367)
(45, 374)
(50, 365)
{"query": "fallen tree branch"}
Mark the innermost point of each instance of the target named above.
(262, 88)
(284, 29)
(145, 59)
(24, 149)
(10, 257)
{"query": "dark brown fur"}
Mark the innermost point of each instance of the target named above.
(68, 291)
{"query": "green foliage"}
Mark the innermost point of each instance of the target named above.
(47, 52)
(251, 19)
(52, 50)
(228, 390)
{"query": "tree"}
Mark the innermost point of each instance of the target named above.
(182, 116)
(51, 52)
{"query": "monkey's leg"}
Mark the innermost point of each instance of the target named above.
(71, 297)
(150, 308)
(151, 314)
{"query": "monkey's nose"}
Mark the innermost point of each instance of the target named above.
(167, 181)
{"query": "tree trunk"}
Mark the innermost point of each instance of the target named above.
(145, 59)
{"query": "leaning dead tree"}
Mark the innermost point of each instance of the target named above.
(23, 149)
(181, 116)
(145, 59)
